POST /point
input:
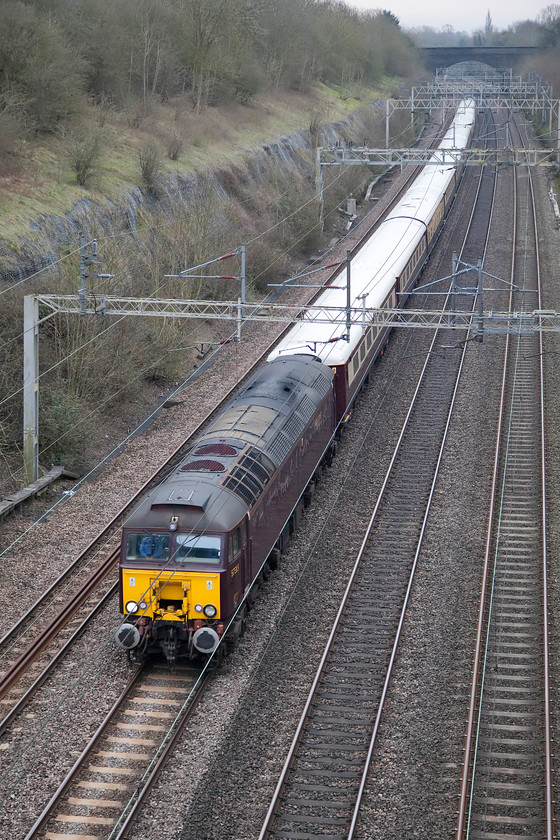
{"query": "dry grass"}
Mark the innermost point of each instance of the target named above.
(40, 179)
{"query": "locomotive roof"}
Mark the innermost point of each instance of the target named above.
(227, 468)
(374, 269)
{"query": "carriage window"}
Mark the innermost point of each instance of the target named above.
(200, 549)
(140, 546)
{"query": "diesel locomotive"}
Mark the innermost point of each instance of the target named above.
(193, 548)
(196, 546)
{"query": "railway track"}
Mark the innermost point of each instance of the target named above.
(506, 788)
(321, 785)
(120, 763)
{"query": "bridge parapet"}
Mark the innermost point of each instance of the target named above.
(497, 57)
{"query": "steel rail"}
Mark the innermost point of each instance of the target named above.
(13, 674)
(546, 620)
(548, 738)
(155, 765)
(264, 833)
(53, 663)
(486, 564)
(334, 629)
(416, 557)
(144, 789)
(481, 612)
(45, 815)
(388, 676)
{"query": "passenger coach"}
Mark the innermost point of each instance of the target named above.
(382, 272)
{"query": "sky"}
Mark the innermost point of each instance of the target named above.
(462, 16)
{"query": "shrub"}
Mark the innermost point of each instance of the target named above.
(175, 146)
(65, 425)
(149, 158)
(84, 151)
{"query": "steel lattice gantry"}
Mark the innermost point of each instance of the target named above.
(235, 311)
(290, 313)
(361, 156)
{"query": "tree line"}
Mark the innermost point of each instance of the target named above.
(543, 31)
(57, 54)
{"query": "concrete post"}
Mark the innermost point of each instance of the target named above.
(480, 318)
(558, 131)
(319, 185)
(386, 123)
(243, 280)
(30, 389)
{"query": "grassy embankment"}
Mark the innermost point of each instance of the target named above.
(40, 179)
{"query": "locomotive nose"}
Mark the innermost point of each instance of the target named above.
(206, 640)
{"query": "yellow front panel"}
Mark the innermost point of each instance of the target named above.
(151, 585)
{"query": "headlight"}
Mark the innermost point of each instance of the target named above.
(210, 611)
(143, 605)
(132, 607)
(198, 608)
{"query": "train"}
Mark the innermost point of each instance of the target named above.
(195, 548)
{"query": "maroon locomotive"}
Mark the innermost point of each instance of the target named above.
(193, 548)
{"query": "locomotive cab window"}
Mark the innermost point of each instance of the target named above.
(198, 549)
(145, 546)
(237, 541)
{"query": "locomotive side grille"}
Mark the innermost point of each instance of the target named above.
(322, 384)
(243, 492)
(280, 447)
(306, 408)
(243, 484)
(249, 477)
(257, 463)
(294, 427)
(258, 471)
